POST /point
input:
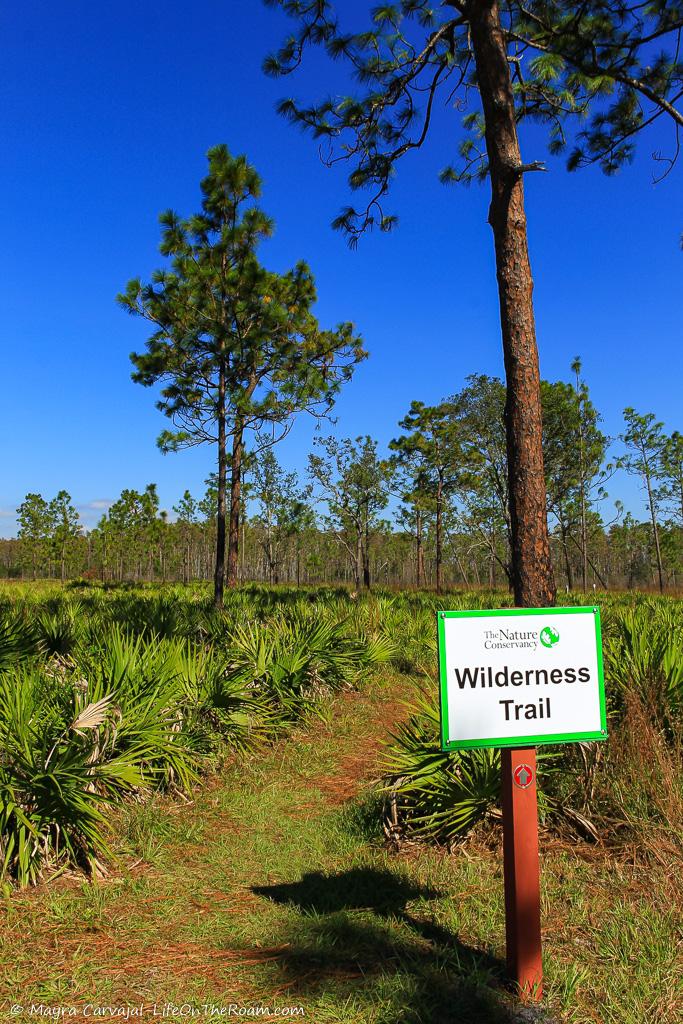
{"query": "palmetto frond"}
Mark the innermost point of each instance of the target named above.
(92, 716)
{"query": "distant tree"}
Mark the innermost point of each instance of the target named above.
(432, 442)
(187, 517)
(671, 467)
(354, 485)
(303, 525)
(672, 550)
(483, 487)
(283, 511)
(574, 451)
(630, 550)
(610, 67)
(645, 442)
(417, 506)
(187, 510)
(35, 529)
(234, 346)
(129, 532)
(592, 447)
(65, 528)
(206, 506)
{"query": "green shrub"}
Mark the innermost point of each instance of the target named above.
(128, 691)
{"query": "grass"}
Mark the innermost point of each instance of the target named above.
(274, 887)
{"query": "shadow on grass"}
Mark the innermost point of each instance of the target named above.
(355, 939)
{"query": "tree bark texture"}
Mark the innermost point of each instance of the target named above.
(532, 574)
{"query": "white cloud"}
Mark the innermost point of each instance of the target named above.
(98, 504)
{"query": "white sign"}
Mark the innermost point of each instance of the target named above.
(521, 676)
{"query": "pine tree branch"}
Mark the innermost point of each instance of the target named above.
(594, 68)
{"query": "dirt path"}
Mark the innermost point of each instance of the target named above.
(188, 928)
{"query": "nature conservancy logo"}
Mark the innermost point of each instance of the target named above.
(529, 639)
(549, 636)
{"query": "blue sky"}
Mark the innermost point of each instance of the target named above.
(106, 115)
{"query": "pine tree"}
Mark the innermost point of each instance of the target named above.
(484, 483)
(573, 455)
(432, 438)
(417, 509)
(234, 346)
(282, 508)
(35, 528)
(354, 484)
(609, 67)
(65, 528)
(187, 517)
(672, 476)
(645, 442)
(130, 531)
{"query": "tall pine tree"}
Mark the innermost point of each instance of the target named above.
(234, 346)
(611, 67)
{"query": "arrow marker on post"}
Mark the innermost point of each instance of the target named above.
(523, 776)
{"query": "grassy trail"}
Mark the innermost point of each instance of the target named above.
(274, 888)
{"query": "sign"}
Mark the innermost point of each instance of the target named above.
(523, 776)
(520, 676)
(515, 678)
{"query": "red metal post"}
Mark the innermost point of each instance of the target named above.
(521, 870)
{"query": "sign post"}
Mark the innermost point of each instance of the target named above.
(521, 871)
(516, 678)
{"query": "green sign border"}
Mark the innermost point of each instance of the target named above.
(517, 741)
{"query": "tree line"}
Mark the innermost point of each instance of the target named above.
(431, 511)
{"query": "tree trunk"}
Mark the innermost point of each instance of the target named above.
(492, 557)
(531, 565)
(235, 492)
(567, 560)
(461, 567)
(584, 539)
(439, 530)
(219, 575)
(366, 550)
(582, 492)
(655, 529)
(584, 529)
(418, 549)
